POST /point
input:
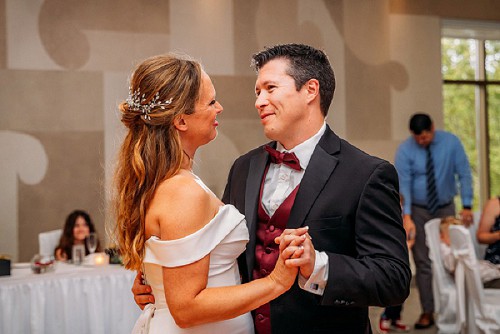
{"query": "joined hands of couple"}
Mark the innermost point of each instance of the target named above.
(297, 254)
(297, 250)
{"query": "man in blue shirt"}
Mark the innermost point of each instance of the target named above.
(428, 163)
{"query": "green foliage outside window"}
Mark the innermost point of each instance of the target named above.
(459, 60)
(492, 65)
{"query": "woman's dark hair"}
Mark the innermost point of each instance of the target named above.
(67, 238)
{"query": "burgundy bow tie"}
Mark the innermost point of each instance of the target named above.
(287, 158)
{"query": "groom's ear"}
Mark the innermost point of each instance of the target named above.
(180, 123)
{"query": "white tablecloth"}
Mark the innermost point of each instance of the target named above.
(73, 300)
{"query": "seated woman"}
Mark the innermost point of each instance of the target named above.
(489, 273)
(77, 227)
(489, 230)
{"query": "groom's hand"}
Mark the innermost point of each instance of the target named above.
(307, 257)
(142, 292)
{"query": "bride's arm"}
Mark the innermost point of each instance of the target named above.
(186, 208)
(191, 303)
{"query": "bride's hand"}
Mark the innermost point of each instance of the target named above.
(290, 247)
(142, 293)
(303, 256)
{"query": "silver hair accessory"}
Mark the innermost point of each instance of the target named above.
(136, 102)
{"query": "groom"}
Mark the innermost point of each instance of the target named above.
(308, 176)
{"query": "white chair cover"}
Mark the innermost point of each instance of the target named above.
(443, 286)
(483, 305)
(48, 242)
(479, 248)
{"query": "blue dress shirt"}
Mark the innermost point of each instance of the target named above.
(450, 161)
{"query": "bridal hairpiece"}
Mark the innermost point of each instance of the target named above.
(136, 102)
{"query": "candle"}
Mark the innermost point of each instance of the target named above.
(98, 259)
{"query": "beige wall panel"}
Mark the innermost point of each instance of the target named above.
(213, 161)
(115, 91)
(50, 101)
(70, 30)
(368, 37)
(24, 161)
(322, 24)
(380, 148)
(203, 29)
(277, 22)
(3, 35)
(369, 71)
(416, 42)
(244, 134)
(120, 51)
(237, 96)
(472, 10)
(74, 180)
(90, 34)
(244, 37)
(25, 49)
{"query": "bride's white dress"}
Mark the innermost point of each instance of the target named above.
(224, 238)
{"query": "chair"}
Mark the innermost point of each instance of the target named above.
(479, 248)
(481, 307)
(48, 241)
(443, 286)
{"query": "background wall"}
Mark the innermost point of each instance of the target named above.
(64, 67)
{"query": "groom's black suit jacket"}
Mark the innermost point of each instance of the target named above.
(350, 202)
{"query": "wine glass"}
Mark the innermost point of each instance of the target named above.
(91, 241)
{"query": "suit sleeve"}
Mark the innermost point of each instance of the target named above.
(379, 274)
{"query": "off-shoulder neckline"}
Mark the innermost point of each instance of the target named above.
(155, 238)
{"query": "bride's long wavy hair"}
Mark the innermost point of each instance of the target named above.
(151, 152)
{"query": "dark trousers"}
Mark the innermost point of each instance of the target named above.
(420, 252)
(392, 312)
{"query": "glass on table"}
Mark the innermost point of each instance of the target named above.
(77, 254)
(91, 241)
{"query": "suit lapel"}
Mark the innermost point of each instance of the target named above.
(252, 190)
(318, 172)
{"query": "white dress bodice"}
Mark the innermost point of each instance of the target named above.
(224, 238)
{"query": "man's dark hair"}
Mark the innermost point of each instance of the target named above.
(419, 123)
(306, 63)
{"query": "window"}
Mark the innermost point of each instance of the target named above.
(470, 65)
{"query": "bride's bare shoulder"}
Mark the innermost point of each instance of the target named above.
(180, 206)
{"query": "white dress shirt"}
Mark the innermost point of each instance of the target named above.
(280, 181)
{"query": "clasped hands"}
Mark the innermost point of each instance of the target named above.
(296, 251)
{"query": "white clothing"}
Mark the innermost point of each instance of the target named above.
(487, 270)
(224, 238)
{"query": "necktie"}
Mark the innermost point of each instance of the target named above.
(432, 196)
(287, 158)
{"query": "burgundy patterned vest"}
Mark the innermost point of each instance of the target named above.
(267, 251)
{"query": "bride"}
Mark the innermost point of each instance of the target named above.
(169, 224)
